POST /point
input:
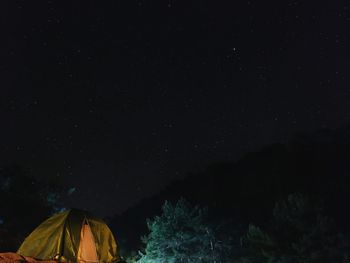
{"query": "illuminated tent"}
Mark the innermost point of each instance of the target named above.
(71, 236)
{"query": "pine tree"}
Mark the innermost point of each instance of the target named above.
(181, 234)
(299, 232)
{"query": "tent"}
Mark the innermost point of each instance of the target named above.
(71, 236)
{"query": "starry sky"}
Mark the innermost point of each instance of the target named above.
(115, 99)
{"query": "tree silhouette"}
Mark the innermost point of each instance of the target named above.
(24, 203)
(299, 232)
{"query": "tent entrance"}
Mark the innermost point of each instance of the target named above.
(87, 246)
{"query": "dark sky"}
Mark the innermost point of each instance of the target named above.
(118, 98)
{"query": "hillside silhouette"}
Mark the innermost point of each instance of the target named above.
(315, 163)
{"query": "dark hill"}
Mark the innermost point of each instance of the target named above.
(245, 191)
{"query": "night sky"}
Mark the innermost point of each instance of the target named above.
(115, 99)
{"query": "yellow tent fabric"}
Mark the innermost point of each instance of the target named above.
(59, 238)
(87, 248)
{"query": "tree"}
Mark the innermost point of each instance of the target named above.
(299, 232)
(24, 203)
(182, 234)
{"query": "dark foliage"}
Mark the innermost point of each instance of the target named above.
(24, 203)
(299, 232)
